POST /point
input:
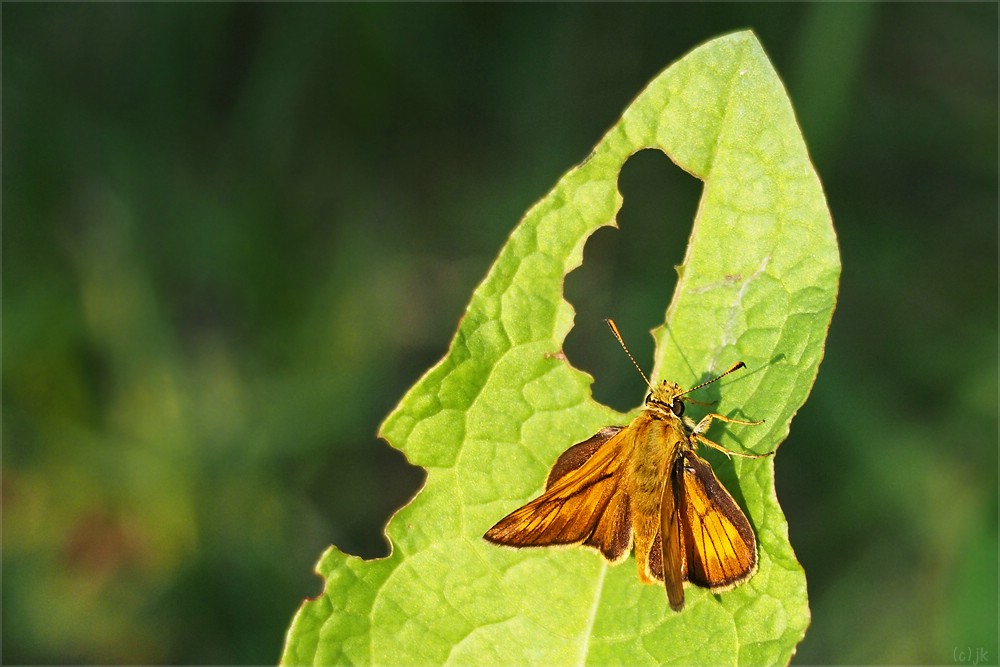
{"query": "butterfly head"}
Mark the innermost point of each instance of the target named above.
(666, 399)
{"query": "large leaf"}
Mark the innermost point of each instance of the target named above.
(758, 283)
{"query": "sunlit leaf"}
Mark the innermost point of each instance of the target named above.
(758, 283)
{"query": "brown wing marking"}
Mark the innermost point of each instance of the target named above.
(585, 502)
(580, 453)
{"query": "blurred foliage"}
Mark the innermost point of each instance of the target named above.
(235, 234)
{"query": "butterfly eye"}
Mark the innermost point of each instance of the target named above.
(678, 407)
(649, 397)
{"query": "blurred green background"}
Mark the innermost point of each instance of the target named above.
(234, 235)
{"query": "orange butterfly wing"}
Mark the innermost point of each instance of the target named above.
(709, 541)
(721, 550)
(585, 501)
(667, 557)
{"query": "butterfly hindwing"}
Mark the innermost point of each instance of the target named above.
(719, 544)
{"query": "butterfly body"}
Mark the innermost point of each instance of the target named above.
(644, 485)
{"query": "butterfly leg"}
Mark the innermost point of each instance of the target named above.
(706, 421)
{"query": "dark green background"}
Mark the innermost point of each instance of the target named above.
(233, 236)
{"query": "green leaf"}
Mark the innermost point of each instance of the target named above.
(758, 283)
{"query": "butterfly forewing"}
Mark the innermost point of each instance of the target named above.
(585, 502)
(580, 453)
(673, 569)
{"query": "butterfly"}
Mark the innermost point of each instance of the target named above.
(645, 485)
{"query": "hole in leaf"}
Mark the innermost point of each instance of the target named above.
(628, 275)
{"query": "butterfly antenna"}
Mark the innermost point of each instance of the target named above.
(614, 330)
(737, 366)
